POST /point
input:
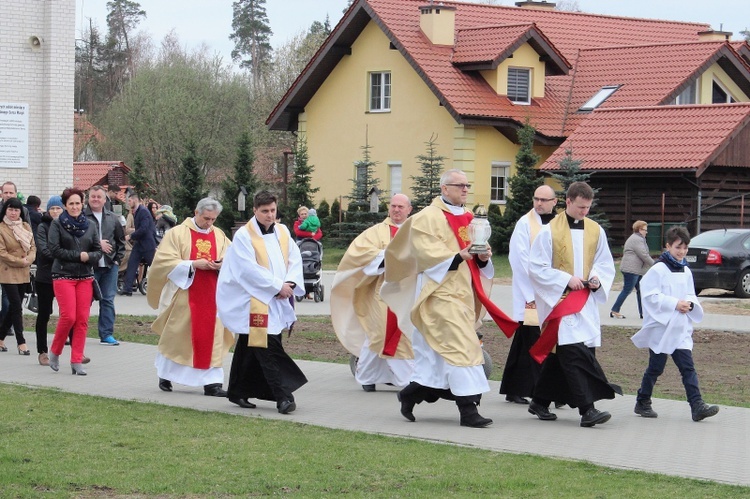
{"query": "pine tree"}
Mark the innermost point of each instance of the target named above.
(365, 181)
(243, 177)
(140, 179)
(521, 187)
(251, 36)
(570, 171)
(299, 190)
(122, 19)
(426, 186)
(191, 183)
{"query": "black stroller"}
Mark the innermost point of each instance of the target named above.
(312, 264)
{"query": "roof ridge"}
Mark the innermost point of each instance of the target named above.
(664, 44)
(493, 26)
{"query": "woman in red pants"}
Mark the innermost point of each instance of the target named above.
(74, 243)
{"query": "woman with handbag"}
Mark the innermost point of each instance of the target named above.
(74, 243)
(44, 291)
(17, 253)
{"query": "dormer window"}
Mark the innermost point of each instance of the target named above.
(598, 98)
(380, 92)
(688, 96)
(519, 85)
(720, 95)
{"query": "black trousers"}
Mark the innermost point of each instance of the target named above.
(14, 317)
(46, 295)
(521, 371)
(263, 373)
(573, 376)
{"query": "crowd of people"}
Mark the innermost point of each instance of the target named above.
(407, 297)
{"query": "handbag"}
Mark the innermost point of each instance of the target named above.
(97, 290)
(33, 302)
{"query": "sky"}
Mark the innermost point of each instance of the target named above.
(210, 21)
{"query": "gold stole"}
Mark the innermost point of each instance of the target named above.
(534, 227)
(258, 336)
(562, 244)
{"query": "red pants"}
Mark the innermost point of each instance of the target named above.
(74, 302)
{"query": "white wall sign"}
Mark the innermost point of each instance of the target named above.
(14, 135)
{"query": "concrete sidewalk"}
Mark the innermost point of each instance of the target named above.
(715, 449)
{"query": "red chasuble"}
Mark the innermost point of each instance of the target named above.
(392, 332)
(460, 226)
(202, 299)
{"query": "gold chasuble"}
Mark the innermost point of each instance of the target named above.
(446, 313)
(190, 332)
(258, 336)
(357, 311)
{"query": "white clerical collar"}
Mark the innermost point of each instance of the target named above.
(198, 229)
(456, 210)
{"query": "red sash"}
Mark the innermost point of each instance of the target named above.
(460, 226)
(392, 332)
(572, 304)
(202, 300)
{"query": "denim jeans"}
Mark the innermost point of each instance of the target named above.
(683, 359)
(136, 255)
(107, 279)
(630, 281)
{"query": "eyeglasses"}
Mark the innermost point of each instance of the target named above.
(544, 200)
(461, 186)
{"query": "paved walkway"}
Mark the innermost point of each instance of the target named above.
(716, 449)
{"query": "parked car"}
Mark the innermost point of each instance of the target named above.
(721, 259)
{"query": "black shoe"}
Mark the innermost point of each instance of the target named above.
(287, 406)
(125, 293)
(368, 388)
(475, 421)
(541, 412)
(594, 417)
(244, 403)
(559, 405)
(407, 406)
(516, 399)
(643, 407)
(165, 385)
(214, 390)
(702, 411)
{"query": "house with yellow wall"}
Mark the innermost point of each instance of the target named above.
(394, 73)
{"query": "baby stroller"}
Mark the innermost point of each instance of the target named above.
(312, 264)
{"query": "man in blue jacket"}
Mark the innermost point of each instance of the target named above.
(143, 241)
(112, 241)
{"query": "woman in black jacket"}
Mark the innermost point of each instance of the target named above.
(74, 243)
(44, 291)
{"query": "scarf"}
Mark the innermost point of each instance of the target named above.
(22, 235)
(671, 263)
(75, 226)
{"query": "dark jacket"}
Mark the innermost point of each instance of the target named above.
(44, 258)
(34, 217)
(145, 229)
(67, 250)
(113, 232)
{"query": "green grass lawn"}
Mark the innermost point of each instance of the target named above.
(57, 444)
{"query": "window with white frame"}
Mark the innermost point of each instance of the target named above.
(598, 98)
(689, 95)
(499, 182)
(519, 85)
(380, 91)
(394, 174)
(720, 95)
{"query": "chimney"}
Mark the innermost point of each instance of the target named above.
(530, 4)
(713, 35)
(438, 23)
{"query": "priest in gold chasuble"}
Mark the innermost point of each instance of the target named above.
(182, 286)
(363, 323)
(429, 287)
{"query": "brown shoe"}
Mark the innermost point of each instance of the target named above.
(85, 360)
(43, 359)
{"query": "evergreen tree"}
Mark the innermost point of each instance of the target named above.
(365, 181)
(191, 180)
(570, 171)
(521, 187)
(243, 177)
(426, 186)
(251, 36)
(299, 190)
(140, 179)
(122, 19)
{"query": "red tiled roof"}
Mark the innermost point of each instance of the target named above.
(89, 173)
(653, 138)
(83, 133)
(471, 100)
